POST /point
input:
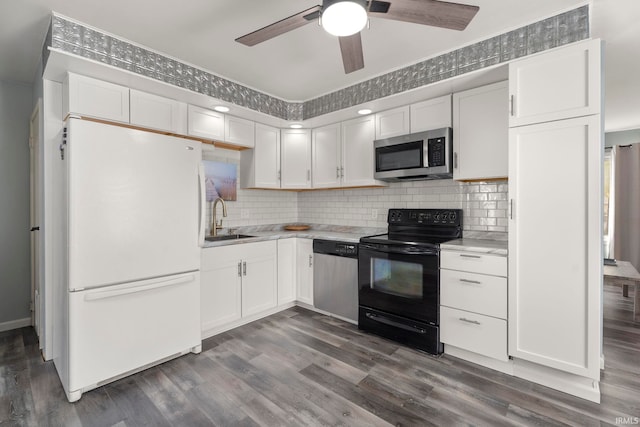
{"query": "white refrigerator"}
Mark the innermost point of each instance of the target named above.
(132, 219)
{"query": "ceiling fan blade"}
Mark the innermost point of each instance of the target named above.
(283, 26)
(454, 16)
(352, 57)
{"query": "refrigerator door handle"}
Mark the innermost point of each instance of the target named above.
(142, 286)
(203, 203)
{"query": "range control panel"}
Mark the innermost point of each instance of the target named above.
(425, 217)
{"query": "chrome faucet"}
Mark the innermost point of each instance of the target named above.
(214, 224)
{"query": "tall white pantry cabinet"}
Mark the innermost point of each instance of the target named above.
(555, 220)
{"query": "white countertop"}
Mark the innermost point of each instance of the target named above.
(485, 246)
(346, 236)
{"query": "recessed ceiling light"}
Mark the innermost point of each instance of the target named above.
(295, 126)
(364, 111)
(221, 108)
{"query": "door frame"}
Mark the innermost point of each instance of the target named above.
(34, 215)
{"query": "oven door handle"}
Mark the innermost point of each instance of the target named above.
(386, 321)
(399, 249)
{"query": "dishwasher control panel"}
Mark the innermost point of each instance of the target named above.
(336, 248)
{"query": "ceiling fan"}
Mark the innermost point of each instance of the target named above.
(345, 19)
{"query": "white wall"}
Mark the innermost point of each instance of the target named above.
(485, 204)
(259, 206)
(15, 265)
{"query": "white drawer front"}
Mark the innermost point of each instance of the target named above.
(479, 293)
(474, 262)
(474, 332)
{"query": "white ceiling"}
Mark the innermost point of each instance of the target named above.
(306, 62)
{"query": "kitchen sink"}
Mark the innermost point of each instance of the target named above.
(226, 237)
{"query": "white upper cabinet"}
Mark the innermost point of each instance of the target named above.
(556, 84)
(392, 123)
(95, 98)
(295, 151)
(239, 131)
(481, 132)
(431, 114)
(358, 155)
(205, 123)
(327, 157)
(157, 112)
(260, 167)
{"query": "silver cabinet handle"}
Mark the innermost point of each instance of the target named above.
(511, 105)
(308, 174)
(455, 160)
(342, 172)
(337, 172)
(239, 269)
(473, 282)
(310, 260)
(279, 175)
(475, 322)
(510, 208)
(470, 256)
(244, 268)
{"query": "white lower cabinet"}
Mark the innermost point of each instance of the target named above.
(304, 274)
(237, 281)
(473, 303)
(287, 270)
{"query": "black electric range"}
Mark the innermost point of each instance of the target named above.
(399, 276)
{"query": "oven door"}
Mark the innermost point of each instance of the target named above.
(400, 279)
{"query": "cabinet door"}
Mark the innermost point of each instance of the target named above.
(559, 84)
(305, 271)
(392, 123)
(259, 277)
(326, 156)
(286, 270)
(431, 114)
(239, 131)
(481, 132)
(157, 112)
(205, 123)
(295, 149)
(267, 157)
(220, 289)
(95, 98)
(358, 153)
(555, 244)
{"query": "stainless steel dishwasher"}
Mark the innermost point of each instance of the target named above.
(335, 278)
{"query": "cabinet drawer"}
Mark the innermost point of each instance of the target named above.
(474, 332)
(474, 262)
(474, 292)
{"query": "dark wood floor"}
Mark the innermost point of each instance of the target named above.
(299, 368)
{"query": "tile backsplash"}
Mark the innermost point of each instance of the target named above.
(258, 206)
(485, 204)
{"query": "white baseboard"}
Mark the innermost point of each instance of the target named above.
(208, 333)
(15, 324)
(576, 385)
(505, 367)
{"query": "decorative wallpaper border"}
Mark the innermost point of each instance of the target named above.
(73, 37)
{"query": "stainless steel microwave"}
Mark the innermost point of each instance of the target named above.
(422, 155)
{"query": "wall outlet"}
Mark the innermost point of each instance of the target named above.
(374, 213)
(244, 213)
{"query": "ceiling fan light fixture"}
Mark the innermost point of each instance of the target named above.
(344, 17)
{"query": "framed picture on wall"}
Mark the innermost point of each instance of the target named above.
(220, 180)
